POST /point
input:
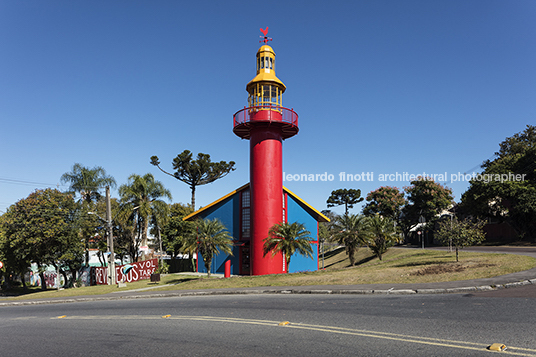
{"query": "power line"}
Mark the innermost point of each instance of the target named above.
(26, 183)
(479, 166)
(34, 183)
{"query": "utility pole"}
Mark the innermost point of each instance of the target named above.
(161, 252)
(111, 259)
(322, 247)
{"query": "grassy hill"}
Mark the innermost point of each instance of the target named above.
(399, 265)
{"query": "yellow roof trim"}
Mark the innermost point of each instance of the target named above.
(215, 202)
(266, 77)
(320, 215)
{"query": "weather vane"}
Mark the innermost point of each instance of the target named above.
(265, 39)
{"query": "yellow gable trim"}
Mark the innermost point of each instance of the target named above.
(215, 202)
(320, 216)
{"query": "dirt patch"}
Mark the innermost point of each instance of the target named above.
(444, 268)
(440, 269)
(484, 265)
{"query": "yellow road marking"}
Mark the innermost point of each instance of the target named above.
(329, 329)
(497, 347)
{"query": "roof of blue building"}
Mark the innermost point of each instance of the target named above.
(310, 209)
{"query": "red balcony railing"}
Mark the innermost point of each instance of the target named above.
(269, 113)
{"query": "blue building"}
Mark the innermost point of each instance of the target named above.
(234, 211)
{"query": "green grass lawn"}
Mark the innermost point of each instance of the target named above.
(399, 265)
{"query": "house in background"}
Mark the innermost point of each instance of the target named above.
(234, 211)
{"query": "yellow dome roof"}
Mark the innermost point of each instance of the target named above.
(266, 48)
(266, 74)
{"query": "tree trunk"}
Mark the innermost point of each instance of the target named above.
(192, 260)
(208, 263)
(141, 236)
(193, 197)
(68, 283)
(133, 250)
(43, 282)
(24, 282)
(135, 239)
(351, 256)
(99, 255)
(74, 273)
(87, 255)
(456, 253)
(145, 228)
(8, 282)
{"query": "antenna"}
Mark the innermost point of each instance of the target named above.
(265, 38)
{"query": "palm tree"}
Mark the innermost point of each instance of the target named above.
(212, 237)
(288, 238)
(350, 231)
(88, 182)
(141, 198)
(382, 235)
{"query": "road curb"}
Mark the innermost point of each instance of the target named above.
(392, 291)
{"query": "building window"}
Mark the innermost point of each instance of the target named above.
(246, 223)
(265, 95)
(246, 214)
(246, 200)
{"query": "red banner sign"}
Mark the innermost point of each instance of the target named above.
(128, 272)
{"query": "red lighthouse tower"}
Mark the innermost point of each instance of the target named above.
(266, 123)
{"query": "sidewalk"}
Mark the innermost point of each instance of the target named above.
(522, 278)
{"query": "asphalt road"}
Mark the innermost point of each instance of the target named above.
(249, 325)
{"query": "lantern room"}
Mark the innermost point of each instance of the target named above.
(265, 89)
(265, 100)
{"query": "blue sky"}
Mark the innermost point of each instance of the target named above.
(381, 87)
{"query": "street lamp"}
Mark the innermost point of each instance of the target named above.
(423, 221)
(322, 247)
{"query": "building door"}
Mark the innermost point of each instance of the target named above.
(245, 260)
